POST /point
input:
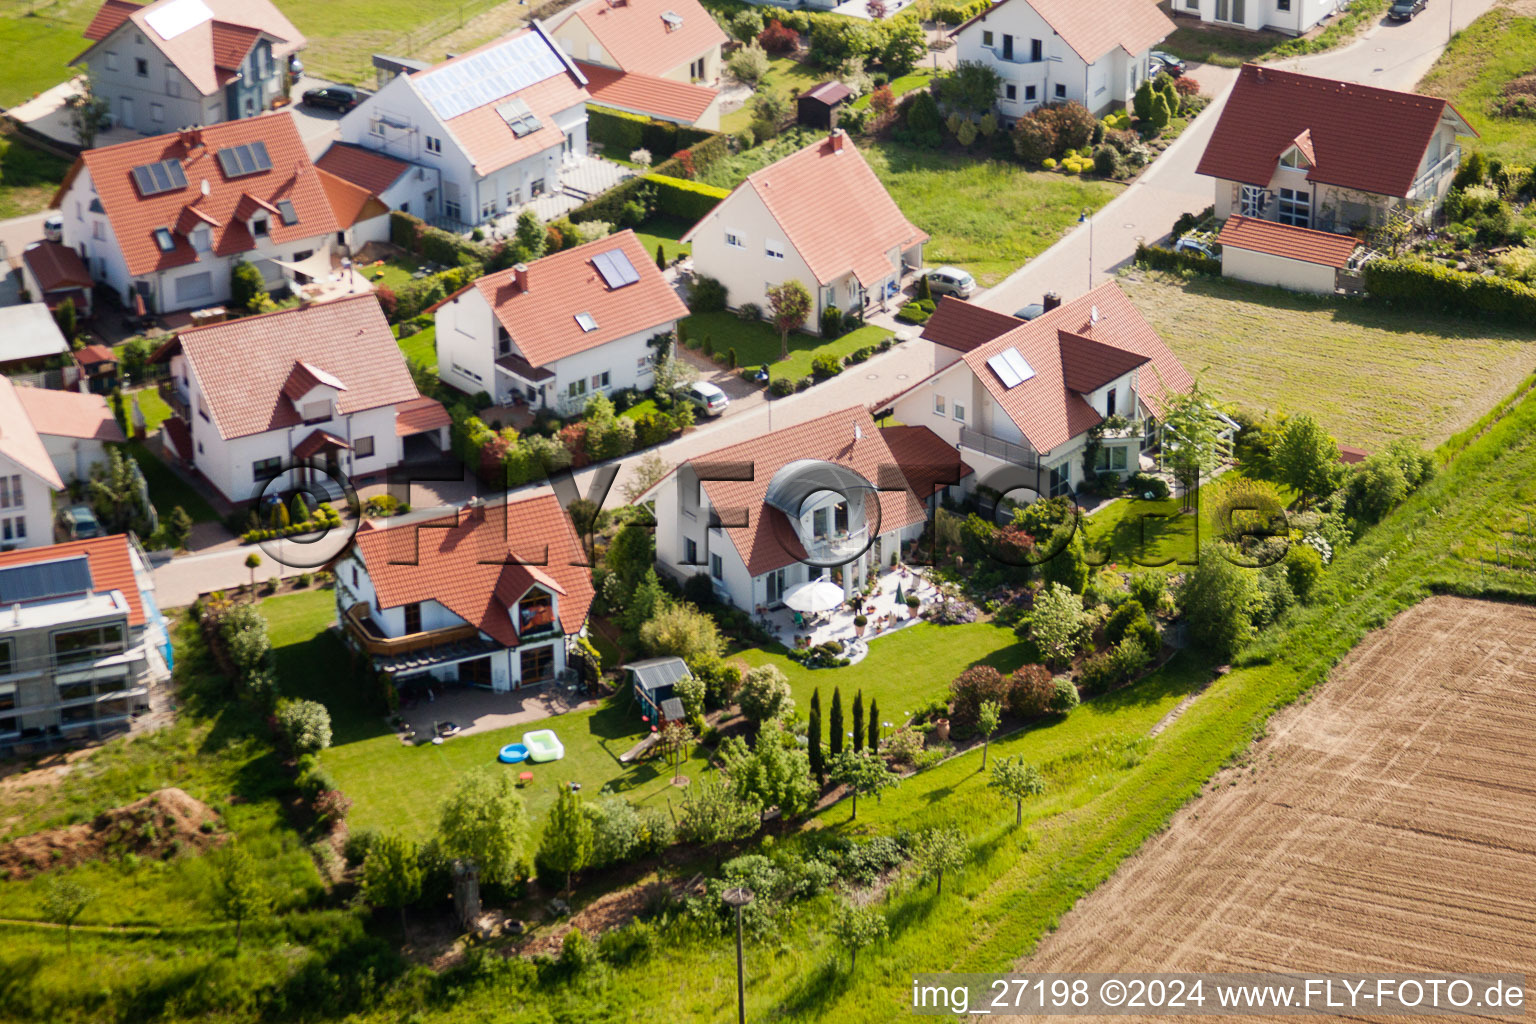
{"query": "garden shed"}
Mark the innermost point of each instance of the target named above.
(817, 107)
(1301, 259)
(653, 680)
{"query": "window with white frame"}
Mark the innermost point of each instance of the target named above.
(1061, 91)
(1293, 159)
(1294, 207)
(1112, 458)
(1250, 201)
(13, 529)
(10, 491)
(98, 229)
(986, 39)
(316, 412)
(434, 144)
(938, 405)
(773, 249)
(362, 447)
(1010, 92)
(376, 128)
(1029, 93)
(488, 209)
(577, 388)
(733, 240)
(643, 363)
(194, 286)
(959, 411)
(717, 567)
(202, 238)
(172, 81)
(600, 380)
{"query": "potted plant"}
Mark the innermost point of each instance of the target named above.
(912, 603)
(859, 622)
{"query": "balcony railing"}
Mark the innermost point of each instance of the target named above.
(997, 448)
(176, 397)
(365, 631)
(838, 545)
(1429, 182)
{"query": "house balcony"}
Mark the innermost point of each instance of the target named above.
(175, 395)
(837, 546)
(1427, 185)
(541, 625)
(366, 633)
(997, 448)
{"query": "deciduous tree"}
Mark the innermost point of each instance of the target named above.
(987, 720)
(857, 928)
(1016, 780)
(567, 844)
(789, 306)
(484, 822)
(63, 902)
(392, 874)
(864, 774)
(239, 893)
(940, 850)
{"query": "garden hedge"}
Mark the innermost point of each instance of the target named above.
(416, 236)
(1430, 286)
(1159, 258)
(689, 200)
(622, 133)
(414, 298)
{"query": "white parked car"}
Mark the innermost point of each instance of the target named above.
(706, 397)
(951, 281)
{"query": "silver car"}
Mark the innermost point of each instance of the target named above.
(951, 281)
(706, 397)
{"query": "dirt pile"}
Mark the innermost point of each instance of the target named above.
(160, 825)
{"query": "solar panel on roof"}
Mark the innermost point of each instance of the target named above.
(39, 581)
(246, 158)
(161, 176)
(1011, 367)
(486, 77)
(615, 268)
(177, 17)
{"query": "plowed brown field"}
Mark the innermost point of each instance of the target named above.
(1389, 825)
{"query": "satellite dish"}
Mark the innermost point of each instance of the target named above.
(206, 190)
(1093, 316)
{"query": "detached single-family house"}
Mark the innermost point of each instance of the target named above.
(1024, 400)
(491, 596)
(1313, 152)
(819, 216)
(163, 221)
(565, 327)
(82, 641)
(660, 58)
(175, 63)
(1052, 51)
(498, 124)
(827, 499)
(52, 272)
(322, 385)
(28, 477)
(1290, 17)
(394, 183)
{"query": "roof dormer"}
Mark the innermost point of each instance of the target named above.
(312, 391)
(1299, 154)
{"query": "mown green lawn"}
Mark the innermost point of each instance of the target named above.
(1134, 532)
(166, 489)
(1370, 374)
(28, 176)
(756, 342)
(786, 77)
(665, 232)
(988, 216)
(899, 86)
(154, 408)
(1472, 72)
(394, 274)
(421, 346)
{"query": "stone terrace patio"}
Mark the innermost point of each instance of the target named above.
(884, 615)
(476, 710)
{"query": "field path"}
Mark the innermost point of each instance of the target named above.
(1385, 826)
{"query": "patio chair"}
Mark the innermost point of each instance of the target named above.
(799, 619)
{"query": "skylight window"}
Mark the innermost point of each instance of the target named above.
(519, 117)
(163, 176)
(586, 322)
(673, 19)
(287, 212)
(1011, 368)
(164, 240)
(246, 158)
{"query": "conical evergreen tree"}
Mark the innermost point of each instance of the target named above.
(813, 739)
(835, 726)
(874, 726)
(858, 721)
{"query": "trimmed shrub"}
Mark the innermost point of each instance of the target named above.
(707, 295)
(1030, 690)
(684, 199)
(825, 365)
(1159, 258)
(1303, 568)
(831, 323)
(777, 38)
(971, 688)
(1433, 287)
(1142, 484)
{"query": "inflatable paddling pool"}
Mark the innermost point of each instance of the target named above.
(513, 753)
(543, 745)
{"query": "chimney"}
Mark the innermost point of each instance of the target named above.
(520, 277)
(1050, 300)
(839, 138)
(474, 509)
(191, 137)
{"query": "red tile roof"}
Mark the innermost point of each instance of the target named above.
(637, 39)
(1360, 137)
(767, 542)
(110, 561)
(242, 365)
(1087, 365)
(962, 325)
(462, 562)
(92, 355)
(1045, 407)
(362, 167)
(1350, 455)
(833, 210)
(56, 267)
(1093, 29)
(542, 320)
(631, 91)
(419, 416)
(1293, 243)
(180, 436)
(317, 442)
(350, 203)
(134, 218)
(208, 53)
(69, 414)
(18, 438)
(927, 461)
(485, 136)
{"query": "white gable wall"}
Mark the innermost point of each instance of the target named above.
(33, 512)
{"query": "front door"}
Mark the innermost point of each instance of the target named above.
(125, 111)
(776, 586)
(475, 672)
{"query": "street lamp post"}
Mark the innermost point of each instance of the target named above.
(1082, 218)
(738, 897)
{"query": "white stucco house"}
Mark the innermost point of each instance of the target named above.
(162, 221)
(392, 184)
(28, 477)
(818, 216)
(297, 396)
(174, 63)
(75, 429)
(1290, 17)
(1021, 403)
(1312, 152)
(660, 58)
(498, 124)
(561, 329)
(826, 499)
(1052, 51)
(491, 596)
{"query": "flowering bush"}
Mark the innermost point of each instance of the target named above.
(778, 39)
(949, 610)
